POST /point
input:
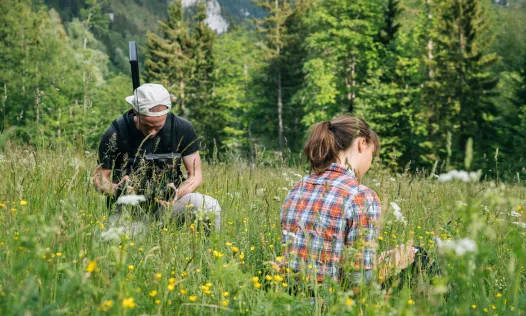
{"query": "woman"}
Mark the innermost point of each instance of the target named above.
(328, 213)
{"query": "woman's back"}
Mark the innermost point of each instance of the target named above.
(322, 214)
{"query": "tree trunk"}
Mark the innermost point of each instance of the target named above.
(280, 101)
(280, 116)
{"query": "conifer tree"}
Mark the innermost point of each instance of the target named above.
(274, 28)
(169, 56)
(462, 85)
(205, 111)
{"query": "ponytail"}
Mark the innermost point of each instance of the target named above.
(327, 139)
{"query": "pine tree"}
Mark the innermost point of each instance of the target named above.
(463, 85)
(169, 56)
(205, 110)
(274, 28)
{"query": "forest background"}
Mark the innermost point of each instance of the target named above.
(443, 82)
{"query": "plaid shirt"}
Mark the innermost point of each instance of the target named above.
(324, 213)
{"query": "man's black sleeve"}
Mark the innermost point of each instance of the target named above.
(189, 143)
(108, 149)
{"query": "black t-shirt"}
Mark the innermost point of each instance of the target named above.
(126, 159)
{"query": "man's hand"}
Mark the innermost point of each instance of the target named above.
(169, 204)
(127, 189)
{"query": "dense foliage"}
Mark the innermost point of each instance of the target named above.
(436, 79)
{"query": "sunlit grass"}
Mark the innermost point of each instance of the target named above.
(54, 260)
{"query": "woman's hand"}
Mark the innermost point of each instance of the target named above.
(395, 259)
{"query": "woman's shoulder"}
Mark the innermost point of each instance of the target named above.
(368, 193)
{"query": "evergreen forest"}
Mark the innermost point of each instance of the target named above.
(443, 82)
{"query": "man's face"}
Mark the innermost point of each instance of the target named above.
(151, 125)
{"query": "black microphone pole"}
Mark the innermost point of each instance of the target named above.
(134, 63)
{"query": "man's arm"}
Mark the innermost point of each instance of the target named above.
(192, 164)
(102, 181)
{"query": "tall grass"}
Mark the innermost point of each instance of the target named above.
(54, 261)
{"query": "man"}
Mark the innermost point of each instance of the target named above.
(141, 152)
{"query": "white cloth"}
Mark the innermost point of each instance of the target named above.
(150, 95)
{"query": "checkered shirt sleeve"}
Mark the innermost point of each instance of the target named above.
(363, 214)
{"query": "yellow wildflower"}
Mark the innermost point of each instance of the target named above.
(225, 303)
(183, 292)
(257, 285)
(158, 276)
(91, 266)
(411, 302)
(473, 306)
(255, 279)
(128, 303)
(228, 244)
(192, 298)
(268, 278)
(235, 249)
(348, 302)
(23, 202)
(153, 293)
(225, 294)
(171, 287)
(131, 268)
(157, 301)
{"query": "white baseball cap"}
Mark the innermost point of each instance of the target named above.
(150, 95)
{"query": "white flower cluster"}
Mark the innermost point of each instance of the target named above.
(113, 234)
(461, 175)
(460, 247)
(131, 199)
(514, 214)
(397, 213)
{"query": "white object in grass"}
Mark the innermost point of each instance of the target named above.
(131, 199)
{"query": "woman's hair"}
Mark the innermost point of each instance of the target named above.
(326, 139)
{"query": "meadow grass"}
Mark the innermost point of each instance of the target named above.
(54, 261)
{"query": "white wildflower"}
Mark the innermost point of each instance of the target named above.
(131, 199)
(462, 203)
(113, 234)
(461, 175)
(520, 224)
(514, 214)
(284, 188)
(460, 247)
(75, 163)
(298, 175)
(2, 158)
(260, 191)
(397, 213)
(392, 179)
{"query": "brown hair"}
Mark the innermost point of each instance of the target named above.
(326, 139)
